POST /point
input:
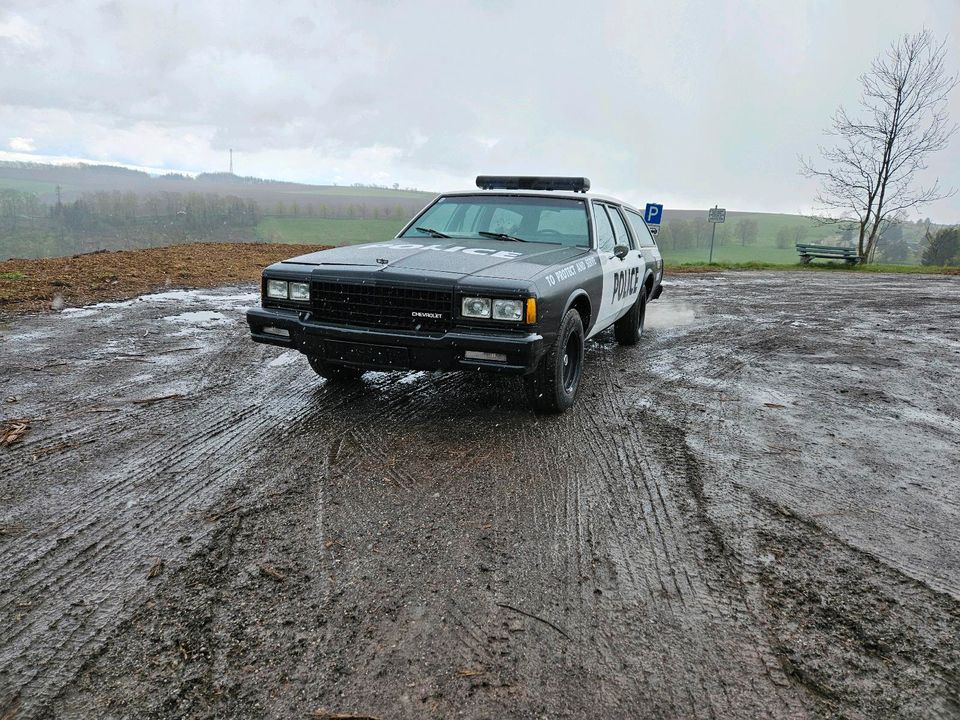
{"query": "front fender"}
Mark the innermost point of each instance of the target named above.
(581, 298)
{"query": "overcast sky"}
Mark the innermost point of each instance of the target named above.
(690, 104)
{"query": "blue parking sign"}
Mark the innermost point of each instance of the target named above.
(653, 214)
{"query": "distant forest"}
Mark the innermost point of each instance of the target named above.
(48, 210)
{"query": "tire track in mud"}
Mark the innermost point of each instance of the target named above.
(94, 535)
(97, 557)
(699, 695)
(855, 637)
(106, 541)
(415, 507)
(830, 683)
(653, 456)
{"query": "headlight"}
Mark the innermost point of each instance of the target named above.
(299, 291)
(283, 290)
(475, 307)
(277, 289)
(508, 310)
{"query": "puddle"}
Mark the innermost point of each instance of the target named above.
(203, 318)
(669, 315)
(287, 358)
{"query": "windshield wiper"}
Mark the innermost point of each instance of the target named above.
(432, 232)
(500, 236)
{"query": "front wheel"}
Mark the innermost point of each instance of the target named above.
(629, 328)
(553, 386)
(334, 373)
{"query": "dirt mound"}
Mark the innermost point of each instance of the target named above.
(53, 283)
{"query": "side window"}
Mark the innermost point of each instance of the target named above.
(623, 237)
(605, 237)
(640, 229)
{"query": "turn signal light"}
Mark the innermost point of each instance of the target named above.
(531, 311)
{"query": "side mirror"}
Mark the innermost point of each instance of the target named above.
(621, 251)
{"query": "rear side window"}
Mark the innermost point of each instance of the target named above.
(605, 237)
(623, 237)
(640, 229)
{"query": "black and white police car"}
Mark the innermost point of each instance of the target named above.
(512, 278)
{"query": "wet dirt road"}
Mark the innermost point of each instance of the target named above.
(752, 514)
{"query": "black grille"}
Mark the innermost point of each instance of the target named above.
(381, 306)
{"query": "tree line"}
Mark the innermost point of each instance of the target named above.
(942, 247)
(92, 212)
(117, 220)
(343, 211)
(128, 220)
(679, 234)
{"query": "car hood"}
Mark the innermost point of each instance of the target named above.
(499, 259)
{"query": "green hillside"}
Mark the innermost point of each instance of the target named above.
(769, 238)
(326, 231)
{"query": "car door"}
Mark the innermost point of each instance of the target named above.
(622, 277)
(647, 243)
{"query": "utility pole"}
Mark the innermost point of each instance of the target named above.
(713, 235)
(231, 161)
(60, 214)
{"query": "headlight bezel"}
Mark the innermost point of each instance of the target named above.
(516, 316)
(525, 313)
(303, 291)
(280, 289)
(485, 302)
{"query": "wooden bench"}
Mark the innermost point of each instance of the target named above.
(808, 252)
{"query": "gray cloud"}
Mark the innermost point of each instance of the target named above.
(691, 104)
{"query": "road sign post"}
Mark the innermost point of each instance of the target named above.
(715, 215)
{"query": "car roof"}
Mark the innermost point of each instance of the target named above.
(542, 193)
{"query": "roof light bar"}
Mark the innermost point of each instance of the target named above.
(529, 182)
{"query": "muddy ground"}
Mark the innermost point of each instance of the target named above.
(51, 284)
(754, 513)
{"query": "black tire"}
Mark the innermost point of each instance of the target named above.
(334, 373)
(553, 386)
(629, 328)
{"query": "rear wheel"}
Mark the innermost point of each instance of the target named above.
(553, 386)
(629, 328)
(334, 373)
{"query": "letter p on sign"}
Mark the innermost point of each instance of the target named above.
(653, 214)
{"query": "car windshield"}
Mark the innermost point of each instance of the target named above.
(559, 221)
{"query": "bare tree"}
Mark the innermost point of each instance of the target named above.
(869, 175)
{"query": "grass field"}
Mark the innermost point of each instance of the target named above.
(326, 231)
(772, 230)
(829, 266)
(362, 191)
(733, 254)
(728, 247)
(39, 187)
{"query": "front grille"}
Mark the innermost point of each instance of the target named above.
(381, 306)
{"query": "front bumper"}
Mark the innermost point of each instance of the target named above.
(394, 349)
